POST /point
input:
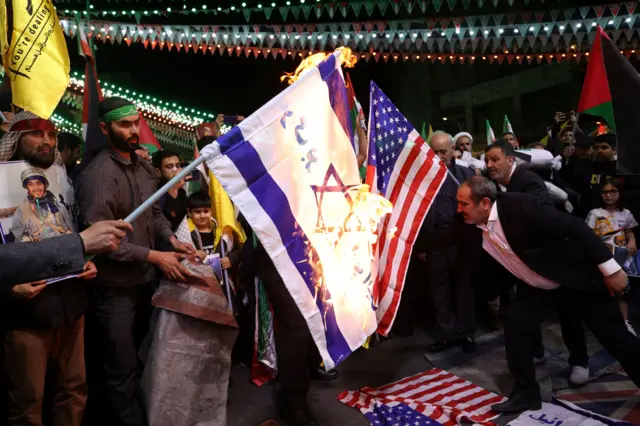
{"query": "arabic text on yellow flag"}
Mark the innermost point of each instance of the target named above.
(223, 211)
(34, 54)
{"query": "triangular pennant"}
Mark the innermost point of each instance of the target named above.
(318, 9)
(526, 16)
(599, 9)
(543, 40)
(511, 18)
(614, 8)
(306, 11)
(383, 7)
(247, 13)
(423, 5)
(452, 4)
(267, 12)
(522, 29)
(540, 15)
(497, 19)
(284, 12)
(555, 38)
(295, 11)
(437, 4)
(628, 33)
(465, 4)
(369, 6)
(330, 8)
(356, 6)
(474, 43)
(484, 19)
(444, 22)
(616, 22)
(631, 6)
(510, 59)
(440, 41)
(519, 58)
(568, 14)
(584, 11)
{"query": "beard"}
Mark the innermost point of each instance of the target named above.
(42, 157)
(124, 145)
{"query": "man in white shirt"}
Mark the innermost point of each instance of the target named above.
(557, 258)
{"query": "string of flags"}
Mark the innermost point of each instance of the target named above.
(292, 10)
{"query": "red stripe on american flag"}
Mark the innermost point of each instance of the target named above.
(433, 187)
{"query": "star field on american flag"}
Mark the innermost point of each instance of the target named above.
(401, 415)
(388, 134)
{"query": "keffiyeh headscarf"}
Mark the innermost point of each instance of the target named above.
(20, 124)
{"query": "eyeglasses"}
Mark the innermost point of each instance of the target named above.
(612, 192)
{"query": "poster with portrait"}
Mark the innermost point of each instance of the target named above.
(13, 195)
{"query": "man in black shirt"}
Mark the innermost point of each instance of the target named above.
(174, 202)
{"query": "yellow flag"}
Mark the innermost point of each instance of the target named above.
(34, 54)
(223, 211)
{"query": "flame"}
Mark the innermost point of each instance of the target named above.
(347, 59)
(344, 267)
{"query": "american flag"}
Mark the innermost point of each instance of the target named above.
(434, 397)
(403, 169)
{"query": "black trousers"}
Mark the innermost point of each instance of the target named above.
(451, 293)
(573, 335)
(598, 310)
(297, 353)
(119, 321)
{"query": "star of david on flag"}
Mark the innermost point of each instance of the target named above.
(403, 169)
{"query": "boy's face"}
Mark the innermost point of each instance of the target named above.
(170, 167)
(603, 151)
(201, 216)
(35, 188)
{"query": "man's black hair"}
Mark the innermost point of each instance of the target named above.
(68, 140)
(503, 146)
(198, 200)
(159, 156)
(607, 138)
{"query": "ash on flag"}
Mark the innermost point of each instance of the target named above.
(403, 169)
(434, 397)
(291, 169)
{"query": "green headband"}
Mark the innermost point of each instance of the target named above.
(119, 113)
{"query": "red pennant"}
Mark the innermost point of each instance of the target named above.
(385, 58)
(525, 16)
(430, 23)
(540, 16)
(461, 59)
(395, 58)
(492, 58)
(288, 28)
(510, 59)
(299, 28)
(311, 28)
(559, 57)
(511, 18)
(146, 44)
(500, 59)
(472, 59)
(457, 22)
(599, 10)
(529, 59)
(381, 25)
(369, 26)
(432, 58)
(627, 54)
(444, 22)
(442, 59)
(631, 6)
(519, 59)
(376, 57)
(549, 58)
(615, 8)
(153, 44)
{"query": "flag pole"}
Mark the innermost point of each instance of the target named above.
(225, 275)
(165, 188)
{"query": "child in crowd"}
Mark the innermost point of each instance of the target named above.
(613, 224)
(201, 230)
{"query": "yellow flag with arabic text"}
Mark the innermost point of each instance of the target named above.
(34, 54)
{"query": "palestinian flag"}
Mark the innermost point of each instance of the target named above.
(491, 137)
(506, 125)
(146, 137)
(94, 140)
(611, 91)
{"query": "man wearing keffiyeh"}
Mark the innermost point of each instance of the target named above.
(32, 139)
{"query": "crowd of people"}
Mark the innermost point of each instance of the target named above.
(115, 342)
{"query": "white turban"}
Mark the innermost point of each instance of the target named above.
(461, 134)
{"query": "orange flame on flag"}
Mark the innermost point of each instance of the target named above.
(346, 58)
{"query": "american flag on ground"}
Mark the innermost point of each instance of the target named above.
(434, 397)
(403, 168)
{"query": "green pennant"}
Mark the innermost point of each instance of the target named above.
(383, 4)
(452, 4)
(480, 3)
(466, 3)
(409, 5)
(437, 4)
(267, 12)
(306, 10)
(495, 3)
(247, 13)
(284, 12)
(295, 11)
(138, 16)
(356, 6)
(369, 6)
